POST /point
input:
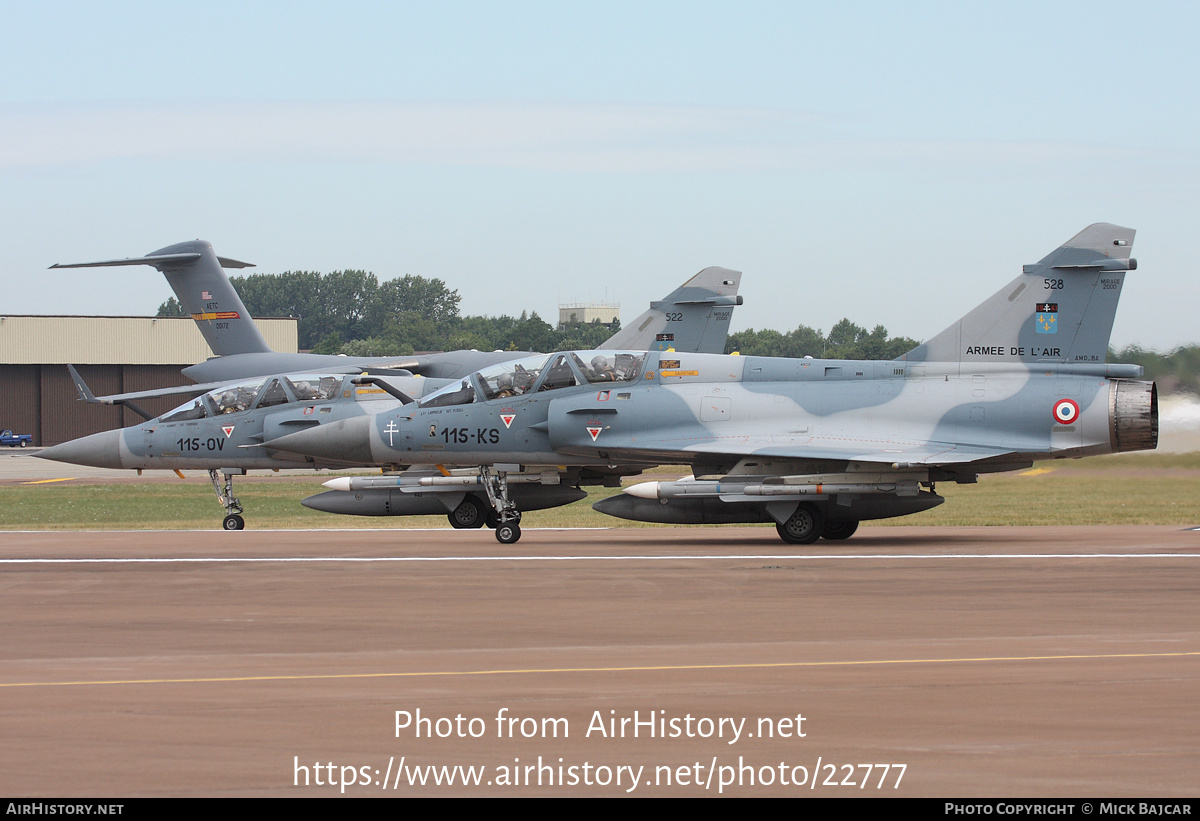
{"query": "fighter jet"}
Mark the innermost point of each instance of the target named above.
(228, 432)
(224, 430)
(229, 429)
(815, 446)
(693, 317)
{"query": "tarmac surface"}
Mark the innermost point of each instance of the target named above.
(973, 662)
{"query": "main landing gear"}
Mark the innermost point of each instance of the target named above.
(233, 508)
(802, 527)
(838, 531)
(468, 515)
(808, 524)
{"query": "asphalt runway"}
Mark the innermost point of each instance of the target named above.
(1007, 662)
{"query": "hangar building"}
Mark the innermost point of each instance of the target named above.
(114, 354)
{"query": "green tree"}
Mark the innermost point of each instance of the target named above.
(171, 308)
(845, 340)
(1178, 370)
(428, 297)
(350, 303)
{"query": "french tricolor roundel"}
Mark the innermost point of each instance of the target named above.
(1066, 411)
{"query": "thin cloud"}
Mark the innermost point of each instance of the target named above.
(571, 137)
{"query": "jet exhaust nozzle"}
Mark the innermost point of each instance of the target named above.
(1132, 415)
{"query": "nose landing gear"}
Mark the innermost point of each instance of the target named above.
(504, 514)
(233, 508)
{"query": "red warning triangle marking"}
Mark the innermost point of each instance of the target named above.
(594, 430)
(507, 416)
(229, 430)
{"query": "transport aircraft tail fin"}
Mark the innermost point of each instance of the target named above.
(197, 276)
(694, 318)
(1058, 310)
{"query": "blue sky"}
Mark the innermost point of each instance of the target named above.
(894, 163)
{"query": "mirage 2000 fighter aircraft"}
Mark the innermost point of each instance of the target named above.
(229, 429)
(815, 446)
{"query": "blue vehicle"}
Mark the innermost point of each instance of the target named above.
(15, 440)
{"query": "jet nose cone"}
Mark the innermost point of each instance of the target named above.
(347, 441)
(100, 450)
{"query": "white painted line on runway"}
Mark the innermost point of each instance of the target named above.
(790, 557)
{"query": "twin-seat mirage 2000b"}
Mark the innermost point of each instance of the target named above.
(230, 428)
(815, 446)
(227, 431)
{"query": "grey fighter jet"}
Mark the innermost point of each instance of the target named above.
(815, 446)
(229, 429)
(693, 317)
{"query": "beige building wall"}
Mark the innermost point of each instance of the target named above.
(588, 312)
(119, 340)
(114, 354)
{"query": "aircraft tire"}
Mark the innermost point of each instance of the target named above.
(234, 522)
(802, 527)
(839, 530)
(468, 515)
(508, 533)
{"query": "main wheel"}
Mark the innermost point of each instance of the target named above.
(23, 443)
(234, 522)
(802, 527)
(468, 514)
(508, 533)
(840, 530)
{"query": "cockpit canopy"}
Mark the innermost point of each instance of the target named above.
(535, 374)
(258, 393)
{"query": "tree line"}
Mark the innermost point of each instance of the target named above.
(352, 312)
(845, 340)
(1178, 370)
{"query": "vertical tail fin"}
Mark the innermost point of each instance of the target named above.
(86, 395)
(1058, 310)
(692, 318)
(196, 275)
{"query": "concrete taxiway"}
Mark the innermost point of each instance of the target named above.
(985, 661)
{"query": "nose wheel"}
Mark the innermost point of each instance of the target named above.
(233, 508)
(503, 516)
